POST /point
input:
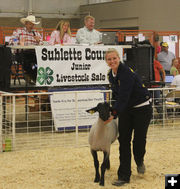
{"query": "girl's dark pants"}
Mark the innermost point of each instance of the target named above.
(137, 120)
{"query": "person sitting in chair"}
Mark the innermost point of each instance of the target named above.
(62, 34)
(27, 36)
(176, 81)
(87, 34)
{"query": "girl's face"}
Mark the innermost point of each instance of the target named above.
(175, 62)
(113, 60)
(65, 27)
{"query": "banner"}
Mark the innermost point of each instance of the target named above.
(72, 65)
(67, 113)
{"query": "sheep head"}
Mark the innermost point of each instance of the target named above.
(104, 110)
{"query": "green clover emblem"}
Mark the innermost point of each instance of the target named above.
(45, 76)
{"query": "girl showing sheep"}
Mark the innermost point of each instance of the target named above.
(133, 107)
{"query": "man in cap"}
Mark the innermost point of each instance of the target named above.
(27, 36)
(165, 57)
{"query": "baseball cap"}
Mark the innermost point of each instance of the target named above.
(164, 44)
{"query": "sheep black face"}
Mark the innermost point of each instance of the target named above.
(104, 110)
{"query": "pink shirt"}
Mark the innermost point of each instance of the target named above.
(55, 38)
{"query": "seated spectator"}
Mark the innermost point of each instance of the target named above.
(159, 74)
(87, 34)
(178, 67)
(176, 81)
(28, 36)
(174, 68)
(62, 34)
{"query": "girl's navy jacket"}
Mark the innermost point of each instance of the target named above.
(127, 89)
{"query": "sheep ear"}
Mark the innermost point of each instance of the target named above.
(92, 110)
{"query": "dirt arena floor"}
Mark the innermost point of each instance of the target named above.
(72, 168)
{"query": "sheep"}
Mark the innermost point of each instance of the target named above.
(101, 137)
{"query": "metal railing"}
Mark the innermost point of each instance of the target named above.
(154, 37)
(27, 120)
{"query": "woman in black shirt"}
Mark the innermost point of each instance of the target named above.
(132, 105)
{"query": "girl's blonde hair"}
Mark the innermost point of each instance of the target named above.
(59, 27)
(111, 50)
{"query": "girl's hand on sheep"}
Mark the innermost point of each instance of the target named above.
(109, 120)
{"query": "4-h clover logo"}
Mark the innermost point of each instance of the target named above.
(45, 76)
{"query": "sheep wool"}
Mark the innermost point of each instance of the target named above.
(102, 136)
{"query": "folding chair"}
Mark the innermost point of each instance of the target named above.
(172, 103)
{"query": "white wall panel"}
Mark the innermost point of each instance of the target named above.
(13, 4)
(13, 8)
(42, 8)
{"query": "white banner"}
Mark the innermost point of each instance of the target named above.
(72, 65)
(64, 108)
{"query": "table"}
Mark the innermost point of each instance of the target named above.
(21, 47)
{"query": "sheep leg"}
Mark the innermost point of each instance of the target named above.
(104, 167)
(108, 163)
(96, 165)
